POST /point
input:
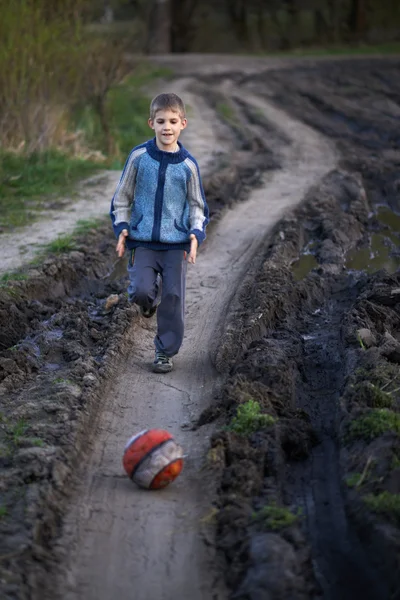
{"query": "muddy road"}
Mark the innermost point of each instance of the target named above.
(292, 306)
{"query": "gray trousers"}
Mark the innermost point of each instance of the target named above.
(143, 269)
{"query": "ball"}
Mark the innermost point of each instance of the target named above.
(153, 459)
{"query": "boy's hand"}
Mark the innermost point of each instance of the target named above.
(194, 244)
(121, 242)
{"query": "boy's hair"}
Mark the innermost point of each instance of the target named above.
(165, 102)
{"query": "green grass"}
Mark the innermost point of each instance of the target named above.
(249, 419)
(10, 277)
(28, 182)
(16, 431)
(226, 111)
(372, 395)
(276, 517)
(128, 112)
(3, 511)
(375, 423)
(64, 243)
(85, 225)
(386, 504)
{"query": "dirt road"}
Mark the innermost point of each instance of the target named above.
(302, 318)
(127, 543)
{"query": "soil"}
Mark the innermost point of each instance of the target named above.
(304, 158)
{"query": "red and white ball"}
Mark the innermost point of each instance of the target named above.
(153, 459)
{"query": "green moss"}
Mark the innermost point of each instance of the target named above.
(276, 517)
(250, 419)
(386, 504)
(375, 423)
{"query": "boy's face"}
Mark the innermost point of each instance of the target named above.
(167, 126)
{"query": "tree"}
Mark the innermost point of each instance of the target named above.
(159, 23)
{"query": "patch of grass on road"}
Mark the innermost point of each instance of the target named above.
(386, 504)
(375, 423)
(275, 517)
(249, 418)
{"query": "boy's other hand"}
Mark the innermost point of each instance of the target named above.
(194, 244)
(121, 242)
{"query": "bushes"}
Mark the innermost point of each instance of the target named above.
(48, 65)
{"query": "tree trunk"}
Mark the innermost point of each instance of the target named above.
(159, 37)
(357, 18)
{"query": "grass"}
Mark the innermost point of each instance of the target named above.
(226, 111)
(17, 431)
(64, 243)
(28, 182)
(276, 517)
(372, 395)
(3, 511)
(84, 225)
(249, 419)
(375, 423)
(11, 277)
(386, 504)
(128, 112)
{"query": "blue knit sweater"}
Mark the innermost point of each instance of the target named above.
(160, 199)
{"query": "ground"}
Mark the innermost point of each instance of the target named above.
(285, 394)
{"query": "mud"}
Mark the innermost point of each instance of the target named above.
(315, 343)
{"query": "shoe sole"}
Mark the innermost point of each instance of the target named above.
(148, 315)
(162, 368)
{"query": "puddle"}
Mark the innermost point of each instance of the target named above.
(303, 266)
(379, 254)
(374, 257)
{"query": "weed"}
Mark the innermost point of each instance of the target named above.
(276, 517)
(13, 277)
(374, 396)
(38, 442)
(30, 180)
(61, 380)
(226, 111)
(17, 431)
(64, 243)
(249, 419)
(386, 504)
(359, 339)
(83, 226)
(3, 511)
(395, 460)
(353, 480)
(374, 424)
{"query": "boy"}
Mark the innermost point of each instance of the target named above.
(160, 213)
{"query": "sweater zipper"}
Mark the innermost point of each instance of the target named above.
(159, 200)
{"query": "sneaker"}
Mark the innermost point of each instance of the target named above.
(147, 313)
(162, 363)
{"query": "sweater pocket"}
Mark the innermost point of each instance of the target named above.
(180, 227)
(135, 224)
